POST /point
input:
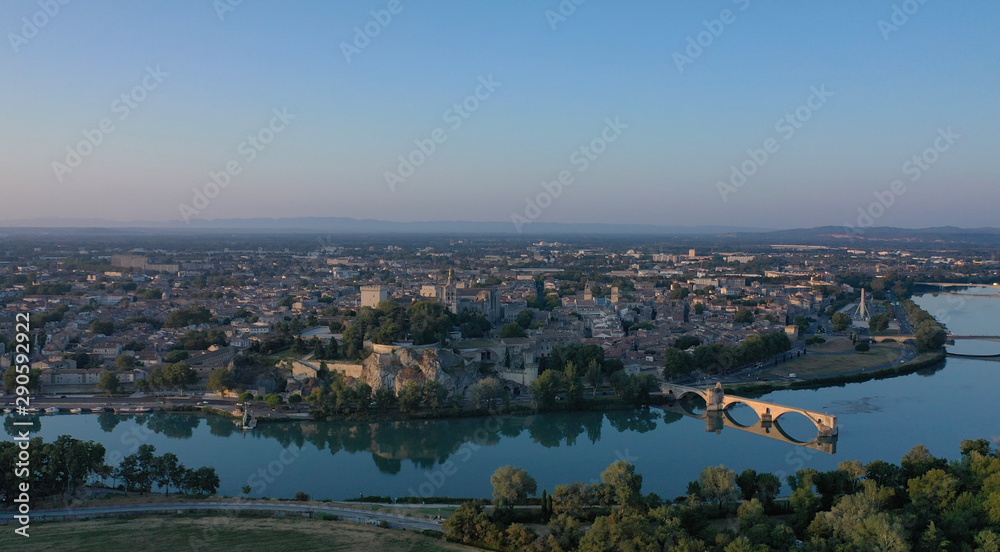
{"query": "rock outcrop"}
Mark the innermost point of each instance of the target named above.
(393, 370)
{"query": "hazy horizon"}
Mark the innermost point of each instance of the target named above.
(120, 112)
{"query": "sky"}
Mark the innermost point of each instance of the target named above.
(727, 112)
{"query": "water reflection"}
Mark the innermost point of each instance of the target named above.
(424, 443)
(716, 421)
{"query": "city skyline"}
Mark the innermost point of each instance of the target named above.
(732, 114)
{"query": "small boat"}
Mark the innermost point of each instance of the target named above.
(53, 410)
(98, 410)
(76, 410)
(133, 410)
(32, 410)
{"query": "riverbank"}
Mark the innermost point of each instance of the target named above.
(922, 361)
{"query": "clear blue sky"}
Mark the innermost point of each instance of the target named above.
(939, 69)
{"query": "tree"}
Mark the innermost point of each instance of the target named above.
(525, 318)
(626, 486)
(435, 394)
(930, 336)
(177, 356)
(512, 330)
(546, 387)
(743, 316)
(10, 382)
(124, 363)
(104, 327)
(187, 317)
(768, 487)
(410, 396)
(677, 363)
(273, 400)
(862, 347)
(469, 524)
(685, 342)
(137, 470)
(747, 482)
(221, 380)
(385, 398)
(511, 486)
(485, 391)
(167, 471)
(718, 483)
(173, 376)
(204, 480)
(574, 389)
(430, 322)
(245, 396)
(574, 500)
(932, 491)
(840, 321)
(878, 324)
(594, 376)
(108, 382)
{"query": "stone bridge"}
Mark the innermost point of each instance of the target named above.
(716, 400)
(716, 421)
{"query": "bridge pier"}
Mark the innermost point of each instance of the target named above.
(715, 398)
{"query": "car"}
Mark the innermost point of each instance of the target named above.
(62, 396)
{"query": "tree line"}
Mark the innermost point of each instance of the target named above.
(62, 466)
(922, 504)
(716, 358)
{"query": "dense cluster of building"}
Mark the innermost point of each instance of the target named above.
(634, 304)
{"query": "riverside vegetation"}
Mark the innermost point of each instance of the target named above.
(922, 504)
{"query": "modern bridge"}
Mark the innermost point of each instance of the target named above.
(717, 415)
(950, 284)
(907, 337)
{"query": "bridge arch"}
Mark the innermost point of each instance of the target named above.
(728, 411)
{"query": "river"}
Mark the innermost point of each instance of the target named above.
(881, 419)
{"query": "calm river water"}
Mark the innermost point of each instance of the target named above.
(879, 419)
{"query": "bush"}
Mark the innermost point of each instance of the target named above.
(302, 496)
(862, 347)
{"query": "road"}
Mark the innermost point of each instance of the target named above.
(347, 514)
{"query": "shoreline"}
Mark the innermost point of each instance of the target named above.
(922, 361)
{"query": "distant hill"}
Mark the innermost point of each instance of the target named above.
(833, 236)
(368, 226)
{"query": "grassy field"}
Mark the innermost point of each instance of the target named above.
(833, 345)
(218, 533)
(814, 365)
